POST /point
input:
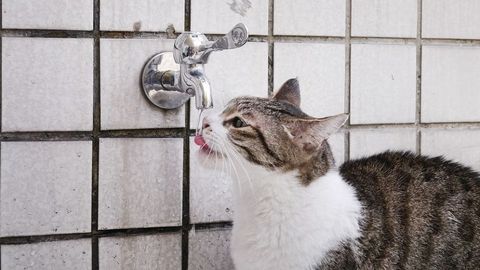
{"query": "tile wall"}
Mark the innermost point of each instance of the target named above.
(92, 176)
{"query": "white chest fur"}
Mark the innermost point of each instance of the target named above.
(281, 224)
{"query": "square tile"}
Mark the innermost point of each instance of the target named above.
(366, 142)
(140, 182)
(64, 101)
(124, 105)
(309, 17)
(146, 15)
(451, 19)
(383, 84)
(48, 14)
(460, 145)
(450, 84)
(337, 145)
(210, 250)
(161, 251)
(320, 69)
(58, 255)
(219, 16)
(46, 187)
(228, 78)
(384, 18)
(210, 189)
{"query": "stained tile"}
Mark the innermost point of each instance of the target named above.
(210, 250)
(47, 84)
(384, 18)
(210, 188)
(233, 73)
(383, 84)
(48, 14)
(58, 255)
(309, 17)
(140, 182)
(366, 142)
(459, 145)
(320, 69)
(123, 103)
(146, 15)
(218, 16)
(162, 251)
(46, 187)
(451, 19)
(450, 84)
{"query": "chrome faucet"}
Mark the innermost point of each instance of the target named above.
(169, 79)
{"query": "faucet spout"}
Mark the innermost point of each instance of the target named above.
(193, 79)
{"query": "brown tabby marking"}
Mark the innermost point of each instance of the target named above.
(419, 212)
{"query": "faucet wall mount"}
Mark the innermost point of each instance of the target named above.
(171, 78)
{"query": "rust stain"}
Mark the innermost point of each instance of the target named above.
(240, 7)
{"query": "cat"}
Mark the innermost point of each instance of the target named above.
(294, 209)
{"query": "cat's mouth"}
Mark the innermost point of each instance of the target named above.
(204, 147)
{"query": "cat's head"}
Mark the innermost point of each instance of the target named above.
(270, 132)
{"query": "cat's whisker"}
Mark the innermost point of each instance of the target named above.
(239, 160)
(231, 157)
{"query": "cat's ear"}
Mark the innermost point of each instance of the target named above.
(309, 134)
(289, 92)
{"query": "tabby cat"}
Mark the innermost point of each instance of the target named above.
(294, 209)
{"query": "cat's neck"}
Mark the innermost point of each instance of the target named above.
(272, 210)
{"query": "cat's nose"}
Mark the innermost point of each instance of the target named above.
(205, 123)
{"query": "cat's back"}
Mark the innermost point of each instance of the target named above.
(420, 212)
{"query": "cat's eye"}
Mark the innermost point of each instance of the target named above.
(238, 123)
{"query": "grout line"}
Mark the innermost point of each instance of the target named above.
(186, 163)
(271, 48)
(46, 136)
(180, 132)
(213, 225)
(418, 95)
(39, 33)
(1, 96)
(348, 69)
(89, 135)
(29, 239)
(144, 133)
(96, 132)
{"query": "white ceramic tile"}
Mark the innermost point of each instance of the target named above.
(140, 182)
(146, 15)
(47, 84)
(373, 141)
(309, 17)
(451, 19)
(144, 252)
(337, 145)
(384, 18)
(124, 105)
(58, 255)
(210, 188)
(48, 14)
(219, 16)
(383, 83)
(46, 187)
(320, 69)
(450, 84)
(210, 250)
(459, 145)
(238, 72)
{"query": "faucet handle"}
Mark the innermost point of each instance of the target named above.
(236, 38)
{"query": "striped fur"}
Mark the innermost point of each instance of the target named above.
(416, 212)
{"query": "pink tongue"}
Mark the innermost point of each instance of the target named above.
(199, 140)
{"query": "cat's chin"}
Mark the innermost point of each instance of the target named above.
(209, 159)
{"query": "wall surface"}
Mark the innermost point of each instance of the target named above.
(95, 177)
